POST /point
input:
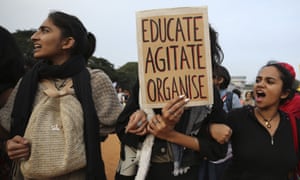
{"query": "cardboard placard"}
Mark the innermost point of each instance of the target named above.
(174, 56)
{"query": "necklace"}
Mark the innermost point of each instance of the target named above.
(59, 86)
(267, 122)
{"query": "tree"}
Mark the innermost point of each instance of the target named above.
(24, 42)
(105, 65)
(127, 75)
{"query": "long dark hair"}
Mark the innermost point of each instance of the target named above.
(11, 58)
(221, 72)
(286, 77)
(71, 26)
(217, 54)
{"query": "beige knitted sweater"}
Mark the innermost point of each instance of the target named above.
(105, 99)
(106, 103)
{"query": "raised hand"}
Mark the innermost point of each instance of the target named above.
(173, 110)
(159, 128)
(137, 123)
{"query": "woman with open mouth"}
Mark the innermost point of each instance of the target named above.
(262, 138)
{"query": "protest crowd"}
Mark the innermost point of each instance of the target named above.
(180, 121)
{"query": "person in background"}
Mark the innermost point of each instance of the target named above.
(125, 96)
(11, 64)
(292, 108)
(222, 78)
(238, 93)
(62, 46)
(11, 70)
(291, 105)
(120, 94)
(181, 137)
(249, 100)
(272, 154)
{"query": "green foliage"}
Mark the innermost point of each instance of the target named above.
(127, 75)
(24, 42)
(105, 65)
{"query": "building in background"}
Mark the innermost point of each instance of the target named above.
(238, 82)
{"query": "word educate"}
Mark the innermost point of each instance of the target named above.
(186, 29)
(182, 29)
(173, 44)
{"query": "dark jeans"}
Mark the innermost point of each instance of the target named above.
(5, 166)
(212, 171)
(121, 177)
(163, 171)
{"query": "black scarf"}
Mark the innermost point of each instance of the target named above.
(75, 68)
(5, 86)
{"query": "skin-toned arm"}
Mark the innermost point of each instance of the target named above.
(174, 109)
(203, 142)
(162, 126)
(171, 113)
(220, 132)
(160, 129)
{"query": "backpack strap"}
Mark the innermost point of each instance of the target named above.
(294, 131)
(227, 98)
(295, 139)
(51, 90)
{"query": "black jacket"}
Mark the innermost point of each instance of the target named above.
(209, 147)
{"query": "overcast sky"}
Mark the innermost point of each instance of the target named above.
(251, 32)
